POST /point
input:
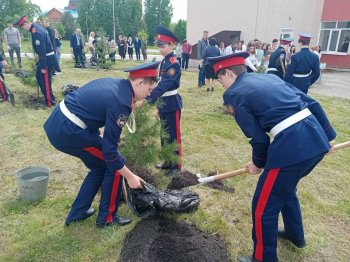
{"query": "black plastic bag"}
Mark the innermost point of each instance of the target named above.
(149, 201)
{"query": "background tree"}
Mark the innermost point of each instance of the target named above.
(68, 25)
(180, 29)
(14, 9)
(157, 12)
(129, 15)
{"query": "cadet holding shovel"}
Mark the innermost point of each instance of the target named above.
(264, 103)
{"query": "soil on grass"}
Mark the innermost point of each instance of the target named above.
(162, 239)
(35, 102)
(145, 174)
(186, 178)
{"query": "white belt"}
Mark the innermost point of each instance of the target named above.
(51, 53)
(272, 69)
(76, 120)
(170, 93)
(290, 121)
(299, 75)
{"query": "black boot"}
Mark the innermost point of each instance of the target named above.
(88, 214)
(118, 221)
(298, 243)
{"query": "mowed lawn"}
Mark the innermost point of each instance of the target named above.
(211, 141)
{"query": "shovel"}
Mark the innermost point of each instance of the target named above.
(242, 171)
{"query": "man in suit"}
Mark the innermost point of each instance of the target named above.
(202, 44)
(137, 45)
(77, 44)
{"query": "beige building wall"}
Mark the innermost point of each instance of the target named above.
(262, 19)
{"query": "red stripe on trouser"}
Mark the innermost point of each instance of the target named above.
(95, 152)
(2, 90)
(178, 137)
(47, 87)
(259, 211)
(113, 199)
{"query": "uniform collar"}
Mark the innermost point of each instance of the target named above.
(169, 55)
(130, 86)
(31, 27)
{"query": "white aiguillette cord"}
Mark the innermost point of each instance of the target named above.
(131, 125)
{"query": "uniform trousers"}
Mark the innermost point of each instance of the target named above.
(171, 124)
(275, 193)
(86, 144)
(45, 81)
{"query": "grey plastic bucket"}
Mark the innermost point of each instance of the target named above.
(32, 183)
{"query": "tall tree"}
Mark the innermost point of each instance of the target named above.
(157, 12)
(180, 29)
(129, 15)
(14, 9)
(68, 25)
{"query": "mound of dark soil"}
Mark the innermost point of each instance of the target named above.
(166, 240)
(31, 101)
(145, 174)
(186, 178)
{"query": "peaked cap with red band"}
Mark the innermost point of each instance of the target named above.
(165, 36)
(144, 70)
(21, 21)
(222, 62)
(305, 36)
(286, 41)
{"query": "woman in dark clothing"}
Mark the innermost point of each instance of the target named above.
(210, 51)
(130, 45)
(121, 48)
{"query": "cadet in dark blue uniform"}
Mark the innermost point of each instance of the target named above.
(73, 128)
(304, 68)
(43, 47)
(277, 62)
(166, 90)
(301, 133)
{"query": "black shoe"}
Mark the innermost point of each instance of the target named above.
(172, 171)
(298, 243)
(208, 89)
(12, 99)
(212, 89)
(163, 166)
(118, 221)
(246, 259)
(88, 214)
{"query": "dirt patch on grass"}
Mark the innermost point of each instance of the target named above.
(32, 101)
(161, 239)
(186, 178)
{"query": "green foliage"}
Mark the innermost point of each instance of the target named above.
(14, 9)
(29, 78)
(142, 148)
(68, 25)
(60, 28)
(128, 14)
(142, 34)
(102, 49)
(180, 29)
(157, 12)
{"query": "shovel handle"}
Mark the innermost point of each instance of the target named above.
(342, 145)
(223, 176)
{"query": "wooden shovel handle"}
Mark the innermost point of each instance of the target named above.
(342, 145)
(231, 174)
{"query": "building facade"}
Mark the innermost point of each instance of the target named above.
(334, 33)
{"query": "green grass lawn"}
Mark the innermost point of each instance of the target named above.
(211, 141)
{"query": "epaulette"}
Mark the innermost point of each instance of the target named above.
(173, 60)
(33, 30)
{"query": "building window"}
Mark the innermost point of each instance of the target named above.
(335, 37)
(286, 33)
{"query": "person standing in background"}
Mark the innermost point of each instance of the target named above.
(202, 44)
(130, 45)
(186, 52)
(13, 40)
(77, 44)
(58, 44)
(137, 45)
(144, 48)
(178, 52)
(51, 32)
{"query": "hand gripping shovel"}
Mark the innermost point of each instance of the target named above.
(245, 170)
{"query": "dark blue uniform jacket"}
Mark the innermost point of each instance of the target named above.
(170, 74)
(260, 102)
(105, 102)
(42, 46)
(303, 63)
(275, 61)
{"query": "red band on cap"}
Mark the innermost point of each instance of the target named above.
(304, 38)
(166, 38)
(144, 73)
(228, 62)
(285, 42)
(22, 21)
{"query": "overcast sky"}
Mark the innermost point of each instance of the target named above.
(180, 7)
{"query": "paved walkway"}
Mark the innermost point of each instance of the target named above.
(333, 83)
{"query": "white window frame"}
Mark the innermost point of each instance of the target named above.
(284, 31)
(327, 52)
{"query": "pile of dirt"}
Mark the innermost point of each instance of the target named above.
(186, 178)
(160, 240)
(34, 102)
(145, 174)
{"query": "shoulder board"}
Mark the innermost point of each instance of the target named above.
(33, 30)
(173, 60)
